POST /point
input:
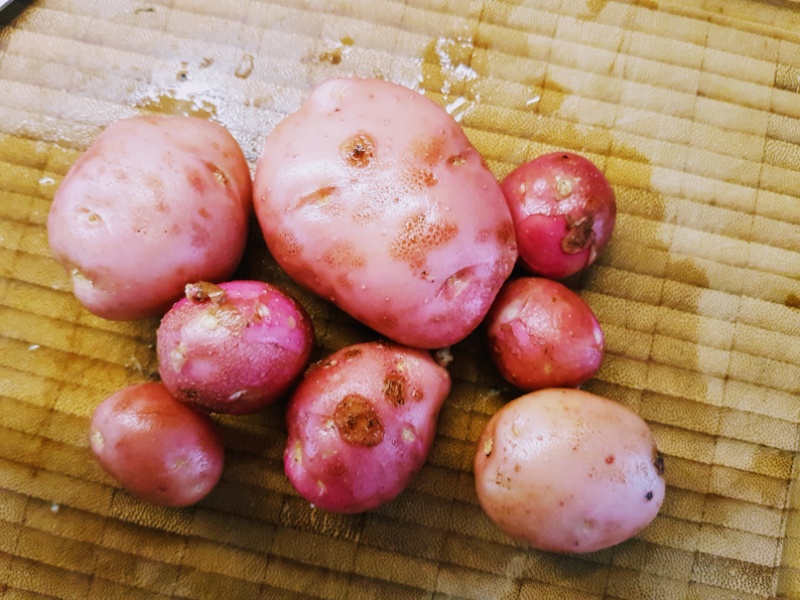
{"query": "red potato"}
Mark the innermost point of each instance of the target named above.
(154, 203)
(361, 425)
(159, 449)
(567, 471)
(371, 196)
(542, 334)
(233, 348)
(564, 211)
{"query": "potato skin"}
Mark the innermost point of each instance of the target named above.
(564, 470)
(160, 450)
(155, 203)
(233, 348)
(371, 196)
(564, 212)
(361, 425)
(542, 334)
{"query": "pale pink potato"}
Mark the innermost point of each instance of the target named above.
(371, 196)
(542, 334)
(564, 470)
(564, 212)
(154, 203)
(234, 347)
(160, 450)
(361, 424)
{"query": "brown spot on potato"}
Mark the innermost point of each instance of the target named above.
(658, 463)
(196, 181)
(218, 174)
(648, 496)
(200, 235)
(428, 151)
(579, 236)
(318, 197)
(610, 459)
(358, 151)
(351, 353)
(419, 179)
(458, 160)
(204, 213)
(285, 243)
(419, 234)
(394, 389)
(343, 255)
(204, 291)
(357, 421)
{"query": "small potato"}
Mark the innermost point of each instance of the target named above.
(361, 425)
(567, 471)
(154, 203)
(233, 348)
(159, 450)
(542, 334)
(372, 197)
(564, 211)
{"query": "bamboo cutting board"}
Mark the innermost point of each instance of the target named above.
(692, 109)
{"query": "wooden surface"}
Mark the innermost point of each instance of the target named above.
(692, 109)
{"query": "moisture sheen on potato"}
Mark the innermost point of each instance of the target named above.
(154, 203)
(371, 196)
(564, 470)
(233, 348)
(160, 450)
(361, 424)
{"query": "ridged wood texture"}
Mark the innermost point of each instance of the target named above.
(692, 109)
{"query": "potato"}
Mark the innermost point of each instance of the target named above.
(564, 212)
(371, 196)
(564, 470)
(154, 203)
(159, 450)
(361, 424)
(233, 348)
(542, 334)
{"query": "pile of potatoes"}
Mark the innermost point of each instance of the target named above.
(371, 197)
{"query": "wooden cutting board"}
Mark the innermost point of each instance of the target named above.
(691, 107)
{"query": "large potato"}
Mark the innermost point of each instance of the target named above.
(361, 424)
(568, 471)
(371, 196)
(153, 204)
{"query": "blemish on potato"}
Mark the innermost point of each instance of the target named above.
(408, 434)
(97, 440)
(357, 421)
(610, 459)
(205, 291)
(358, 151)
(658, 463)
(648, 496)
(457, 160)
(297, 452)
(318, 197)
(178, 357)
(488, 446)
(579, 235)
(563, 188)
(351, 353)
(394, 389)
(208, 321)
(419, 234)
